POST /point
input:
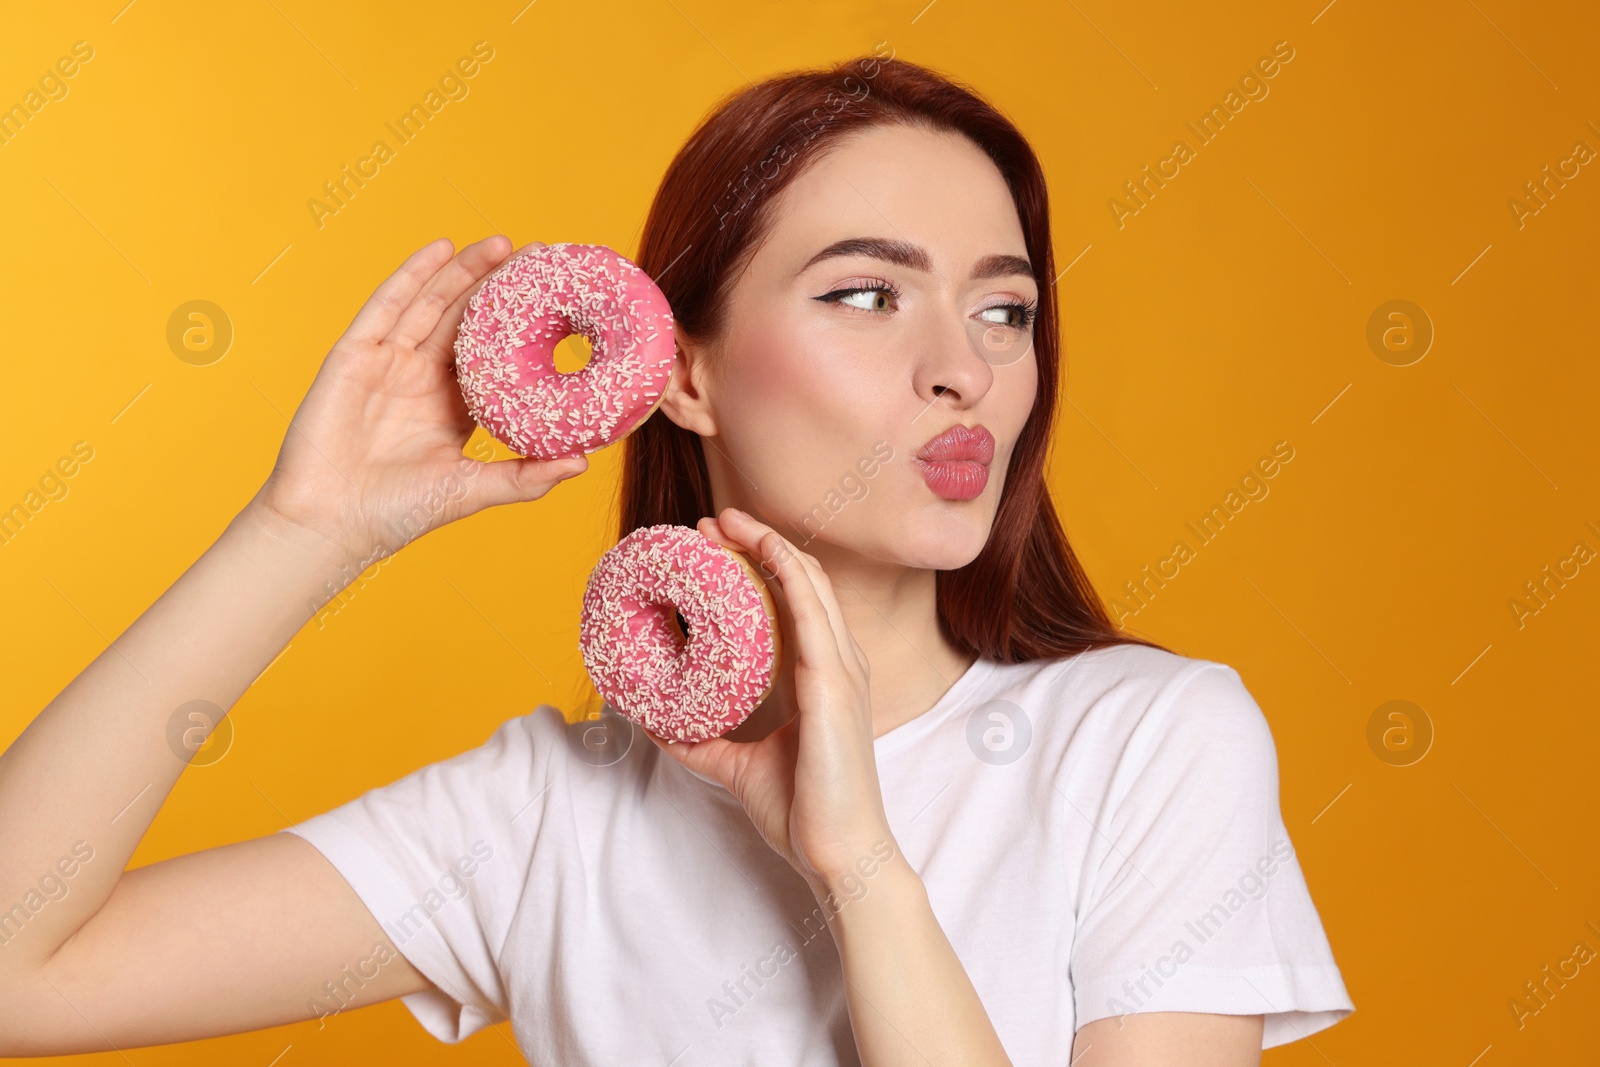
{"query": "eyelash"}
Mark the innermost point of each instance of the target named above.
(1029, 309)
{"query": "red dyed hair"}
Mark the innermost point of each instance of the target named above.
(1025, 596)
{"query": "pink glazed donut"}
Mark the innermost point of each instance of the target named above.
(507, 338)
(686, 688)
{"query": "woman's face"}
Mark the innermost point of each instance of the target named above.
(891, 301)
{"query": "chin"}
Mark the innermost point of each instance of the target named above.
(911, 532)
(945, 545)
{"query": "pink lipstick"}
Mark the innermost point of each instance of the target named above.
(955, 464)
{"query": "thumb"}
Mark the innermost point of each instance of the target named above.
(508, 481)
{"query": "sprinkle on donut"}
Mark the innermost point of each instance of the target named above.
(685, 687)
(506, 343)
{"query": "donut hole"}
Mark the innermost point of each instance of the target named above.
(572, 353)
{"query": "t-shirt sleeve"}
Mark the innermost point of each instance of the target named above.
(1194, 899)
(440, 859)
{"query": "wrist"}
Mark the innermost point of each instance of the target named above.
(851, 878)
(854, 904)
(300, 562)
(269, 528)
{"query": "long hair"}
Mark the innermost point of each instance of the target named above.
(1025, 596)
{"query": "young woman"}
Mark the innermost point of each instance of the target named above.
(974, 822)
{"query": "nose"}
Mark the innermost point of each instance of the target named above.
(952, 366)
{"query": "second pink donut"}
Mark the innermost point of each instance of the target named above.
(692, 686)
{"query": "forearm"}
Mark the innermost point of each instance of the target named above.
(98, 762)
(910, 999)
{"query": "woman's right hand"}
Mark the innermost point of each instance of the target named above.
(372, 458)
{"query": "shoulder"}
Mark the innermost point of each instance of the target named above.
(520, 756)
(527, 786)
(1130, 683)
(473, 786)
(554, 747)
(511, 745)
(1131, 704)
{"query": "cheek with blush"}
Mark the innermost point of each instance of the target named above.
(791, 423)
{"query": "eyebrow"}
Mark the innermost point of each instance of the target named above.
(905, 254)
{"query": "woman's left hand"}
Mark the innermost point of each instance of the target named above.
(810, 786)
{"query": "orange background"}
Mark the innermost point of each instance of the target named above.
(1230, 313)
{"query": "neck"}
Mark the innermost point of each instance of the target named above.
(891, 613)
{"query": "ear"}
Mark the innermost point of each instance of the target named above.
(686, 401)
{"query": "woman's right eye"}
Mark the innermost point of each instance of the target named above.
(876, 298)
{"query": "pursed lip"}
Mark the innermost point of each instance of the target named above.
(960, 443)
(955, 464)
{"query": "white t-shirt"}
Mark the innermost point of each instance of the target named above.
(1099, 834)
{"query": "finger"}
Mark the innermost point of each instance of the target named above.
(849, 651)
(508, 481)
(818, 639)
(712, 529)
(830, 600)
(440, 343)
(382, 309)
(470, 265)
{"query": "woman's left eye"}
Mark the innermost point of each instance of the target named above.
(1019, 316)
(882, 297)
